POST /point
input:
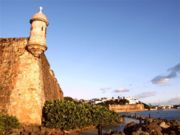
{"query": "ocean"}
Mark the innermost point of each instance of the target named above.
(164, 114)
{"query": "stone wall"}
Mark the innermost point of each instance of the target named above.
(9, 64)
(51, 86)
(127, 108)
(26, 82)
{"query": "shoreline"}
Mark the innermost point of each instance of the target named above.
(145, 110)
(152, 125)
(157, 124)
(77, 131)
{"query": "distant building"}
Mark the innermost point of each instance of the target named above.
(132, 100)
(163, 107)
(104, 99)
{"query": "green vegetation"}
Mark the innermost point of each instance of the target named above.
(7, 123)
(176, 106)
(68, 114)
(147, 106)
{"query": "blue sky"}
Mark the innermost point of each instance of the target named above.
(105, 48)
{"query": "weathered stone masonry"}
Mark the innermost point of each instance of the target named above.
(26, 79)
(127, 108)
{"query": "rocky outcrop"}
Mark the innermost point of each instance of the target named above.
(156, 127)
(34, 130)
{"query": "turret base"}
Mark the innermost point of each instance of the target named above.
(36, 49)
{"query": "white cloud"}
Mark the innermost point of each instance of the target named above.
(121, 90)
(161, 80)
(145, 95)
(175, 69)
(104, 90)
(166, 78)
(174, 100)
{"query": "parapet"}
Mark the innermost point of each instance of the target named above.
(10, 41)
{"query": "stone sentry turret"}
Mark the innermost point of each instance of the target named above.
(37, 40)
(26, 78)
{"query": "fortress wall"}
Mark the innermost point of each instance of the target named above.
(127, 108)
(52, 89)
(27, 96)
(25, 82)
(9, 64)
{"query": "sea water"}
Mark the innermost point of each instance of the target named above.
(164, 114)
(173, 114)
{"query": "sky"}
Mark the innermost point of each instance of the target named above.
(106, 48)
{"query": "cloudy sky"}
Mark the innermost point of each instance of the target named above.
(105, 48)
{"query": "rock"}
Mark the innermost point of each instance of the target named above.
(122, 133)
(172, 133)
(175, 123)
(153, 129)
(172, 129)
(15, 132)
(114, 133)
(35, 130)
(121, 120)
(130, 127)
(164, 125)
(149, 120)
(140, 132)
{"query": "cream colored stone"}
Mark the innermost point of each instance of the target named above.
(37, 41)
(27, 91)
(127, 108)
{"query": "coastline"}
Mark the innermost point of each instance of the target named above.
(151, 125)
(163, 125)
(131, 124)
(169, 114)
(146, 110)
(89, 129)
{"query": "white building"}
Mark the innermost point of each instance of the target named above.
(132, 100)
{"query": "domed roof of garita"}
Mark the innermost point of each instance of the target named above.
(39, 16)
